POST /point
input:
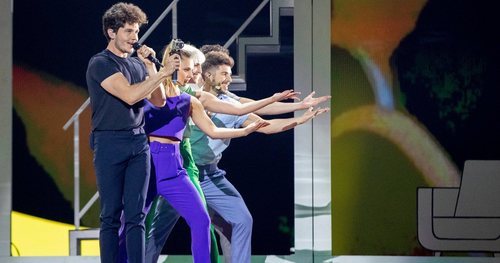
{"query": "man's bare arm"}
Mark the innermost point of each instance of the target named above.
(280, 125)
(203, 122)
(213, 104)
(283, 107)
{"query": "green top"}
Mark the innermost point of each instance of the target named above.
(189, 90)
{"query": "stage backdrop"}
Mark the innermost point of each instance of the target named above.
(415, 94)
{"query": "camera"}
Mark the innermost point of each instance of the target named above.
(177, 45)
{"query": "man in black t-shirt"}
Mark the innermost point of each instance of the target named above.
(118, 85)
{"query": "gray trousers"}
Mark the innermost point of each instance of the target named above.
(232, 218)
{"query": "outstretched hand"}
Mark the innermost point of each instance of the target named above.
(284, 95)
(312, 113)
(256, 125)
(310, 101)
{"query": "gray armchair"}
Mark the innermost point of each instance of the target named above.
(466, 218)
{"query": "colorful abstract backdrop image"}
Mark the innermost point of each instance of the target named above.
(415, 88)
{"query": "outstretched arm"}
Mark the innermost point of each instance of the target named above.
(281, 107)
(201, 120)
(213, 104)
(280, 125)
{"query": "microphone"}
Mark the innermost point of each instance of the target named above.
(138, 45)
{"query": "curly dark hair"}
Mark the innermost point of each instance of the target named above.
(216, 47)
(120, 14)
(215, 59)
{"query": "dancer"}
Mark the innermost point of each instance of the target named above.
(221, 196)
(271, 109)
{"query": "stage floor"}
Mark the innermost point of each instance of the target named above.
(274, 259)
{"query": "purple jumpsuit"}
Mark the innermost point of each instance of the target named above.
(172, 181)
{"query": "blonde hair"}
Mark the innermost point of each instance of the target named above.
(197, 55)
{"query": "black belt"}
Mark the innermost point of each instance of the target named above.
(134, 131)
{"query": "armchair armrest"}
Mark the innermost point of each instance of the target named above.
(429, 202)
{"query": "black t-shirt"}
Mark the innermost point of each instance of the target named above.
(109, 112)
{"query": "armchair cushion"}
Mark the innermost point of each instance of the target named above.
(466, 228)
